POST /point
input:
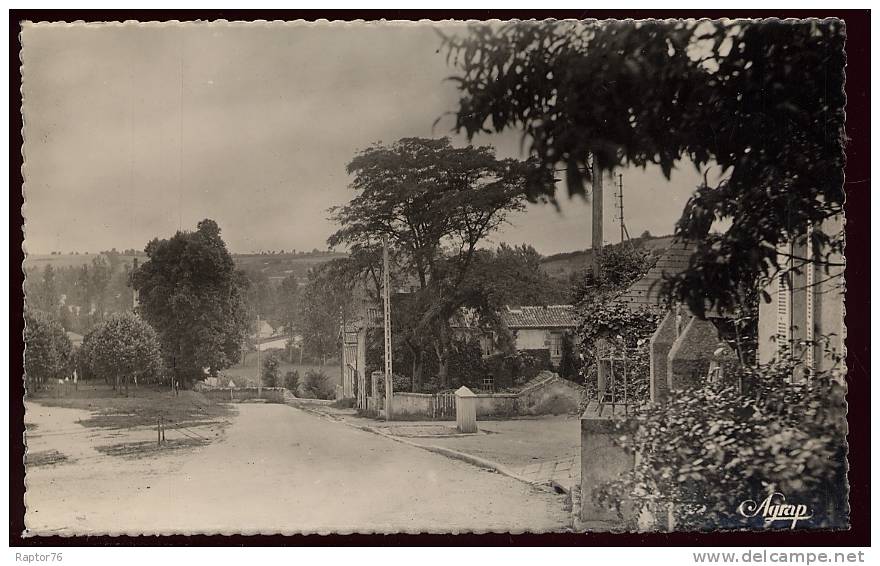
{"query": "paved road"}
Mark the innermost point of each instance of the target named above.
(283, 470)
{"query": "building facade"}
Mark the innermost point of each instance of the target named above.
(806, 308)
(541, 327)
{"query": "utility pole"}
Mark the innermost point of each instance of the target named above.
(624, 233)
(597, 216)
(244, 353)
(386, 295)
(134, 292)
(259, 376)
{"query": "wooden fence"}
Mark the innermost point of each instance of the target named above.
(443, 405)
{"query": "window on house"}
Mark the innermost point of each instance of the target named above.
(555, 345)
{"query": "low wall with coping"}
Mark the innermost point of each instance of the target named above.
(412, 404)
(497, 404)
(292, 399)
(239, 394)
(550, 394)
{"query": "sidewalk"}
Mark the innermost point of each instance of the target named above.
(540, 449)
(544, 450)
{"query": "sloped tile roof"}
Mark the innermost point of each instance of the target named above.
(552, 316)
(646, 291)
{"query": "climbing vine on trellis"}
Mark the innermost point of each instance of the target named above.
(625, 330)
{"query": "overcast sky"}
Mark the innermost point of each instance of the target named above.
(132, 132)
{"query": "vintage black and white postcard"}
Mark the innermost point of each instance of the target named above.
(510, 276)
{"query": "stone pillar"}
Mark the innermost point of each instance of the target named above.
(466, 410)
(661, 343)
(375, 378)
(361, 367)
(349, 360)
(691, 354)
(602, 460)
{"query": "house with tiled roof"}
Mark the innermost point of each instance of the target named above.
(540, 327)
(531, 327)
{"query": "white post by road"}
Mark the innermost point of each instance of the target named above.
(466, 410)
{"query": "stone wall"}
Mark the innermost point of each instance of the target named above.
(552, 395)
(496, 404)
(548, 394)
(412, 405)
(239, 394)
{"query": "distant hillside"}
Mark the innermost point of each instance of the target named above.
(60, 261)
(562, 265)
(275, 266)
(278, 266)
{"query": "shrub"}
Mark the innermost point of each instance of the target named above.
(292, 381)
(516, 368)
(48, 351)
(708, 449)
(533, 362)
(466, 364)
(124, 349)
(400, 382)
(271, 371)
(317, 385)
(569, 364)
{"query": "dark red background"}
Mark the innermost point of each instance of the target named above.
(857, 298)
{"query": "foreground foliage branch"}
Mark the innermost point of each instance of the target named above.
(708, 449)
(763, 100)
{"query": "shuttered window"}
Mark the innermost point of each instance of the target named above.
(783, 297)
(810, 271)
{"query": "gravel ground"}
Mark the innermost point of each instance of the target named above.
(277, 469)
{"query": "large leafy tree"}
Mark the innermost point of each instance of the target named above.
(512, 275)
(619, 267)
(271, 371)
(435, 204)
(123, 349)
(761, 100)
(191, 293)
(322, 305)
(48, 351)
